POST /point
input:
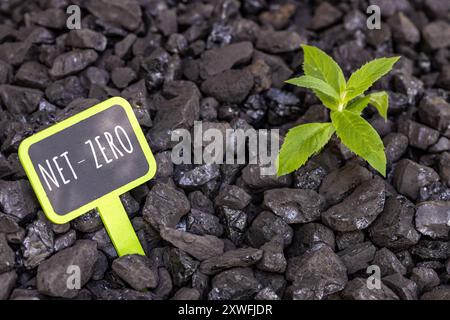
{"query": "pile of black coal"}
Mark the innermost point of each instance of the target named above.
(225, 231)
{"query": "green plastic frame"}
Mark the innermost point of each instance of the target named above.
(99, 202)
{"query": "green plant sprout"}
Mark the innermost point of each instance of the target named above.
(346, 101)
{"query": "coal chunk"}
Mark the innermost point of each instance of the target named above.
(309, 235)
(433, 218)
(64, 241)
(230, 86)
(394, 227)
(403, 29)
(136, 94)
(283, 106)
(388, 262)
(345, 240)
(294, 205)
(425, 278)
(265, 226)
(437, 8)
(419, 135)
(341, 182)
(254, 179)
(165, 205)
(410, 176)
(235, 222)
(359, 209)
(122, 77)
(325, 16)
(279, 41)
(52, 276)
(309, 176)
(54, 18)
(186, 294)
(279, 70)
(198, 176)
(443, 144)
(122, 47)
(436, 35)
(181, 266)
(201, 223)
(185, 103)
(7, 258)
(201, 202)
(357, 257)
(72, 62)
(444, 167)
(38, 244)
(63, 92)
(273, 259)
(136, 271)
(431, 249)
(217, 60)
(279, 17)
(233, 197)
(17, 198)
(200, 247)
(396, 145)
(8, 224)
(7, 283)
(20, 100)
(126, 13)
(243, 257)
(405, 288)
(439, 293)
(15, 53)
(262, 76)
(435, 112)
(33, 75)
(234, 284)
(165, 285)
(316, 274)
(357, 289)
(86, 39)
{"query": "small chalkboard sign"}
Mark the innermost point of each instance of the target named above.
(86, 162)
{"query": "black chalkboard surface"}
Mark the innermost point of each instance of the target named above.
(78, 162)
(88, 160)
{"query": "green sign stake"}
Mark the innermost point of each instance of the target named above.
(87, 162)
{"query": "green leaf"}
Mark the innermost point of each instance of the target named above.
(363, 78)
(359, 136)
(317, 85)
(300, 144)
(318, 64)
(327, 101)
(358, 105)
(380, 100)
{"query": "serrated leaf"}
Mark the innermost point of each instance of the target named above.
(300, 144)
(358, 105)
(318, 64)
(317, 85)
(363, 78)
(380, 100)
(359, 136)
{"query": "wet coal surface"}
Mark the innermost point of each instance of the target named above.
(226, 231)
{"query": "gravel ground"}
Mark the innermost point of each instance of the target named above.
(225, 231)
